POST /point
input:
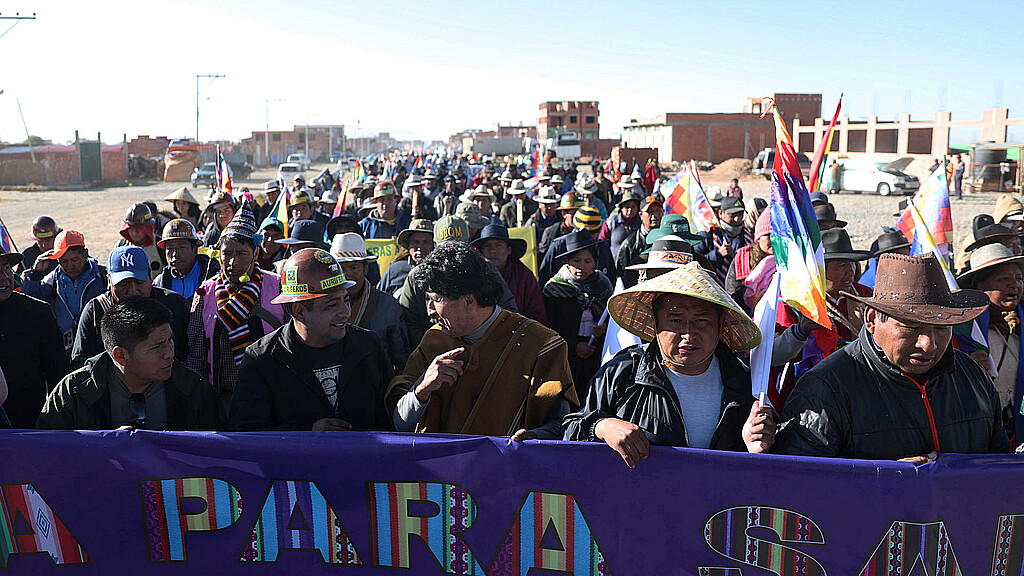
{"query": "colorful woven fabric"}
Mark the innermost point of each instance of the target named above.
(234, 307)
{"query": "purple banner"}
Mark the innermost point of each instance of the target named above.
(355, 503)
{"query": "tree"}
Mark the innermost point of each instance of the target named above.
(35, 141)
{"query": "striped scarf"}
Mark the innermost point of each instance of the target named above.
(234, 307)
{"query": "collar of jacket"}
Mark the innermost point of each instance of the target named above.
(876, 358)
(94, 388)
(736, 384)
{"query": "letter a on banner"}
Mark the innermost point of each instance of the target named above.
(393, 524)
(726, 533)
(549, 533)
(907, 544)
(296, 516)
(29, 526)
(167, 523)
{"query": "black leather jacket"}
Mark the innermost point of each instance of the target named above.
(634, 387)
(855, 404)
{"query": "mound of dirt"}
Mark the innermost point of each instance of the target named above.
(731, 168)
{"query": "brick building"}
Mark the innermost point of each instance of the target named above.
(716, 137)
(583, 118)
(323, 140)
(57, 165)
(147, 147)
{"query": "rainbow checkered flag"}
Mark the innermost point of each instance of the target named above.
(796, 238)
(5, 239)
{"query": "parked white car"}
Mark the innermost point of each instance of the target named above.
(301, 159)
(864, 175)
(288, 171)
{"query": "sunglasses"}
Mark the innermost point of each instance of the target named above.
(137, 406)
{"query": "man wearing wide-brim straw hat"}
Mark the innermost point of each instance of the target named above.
(371, 308)
(899, 391)
(686, 386)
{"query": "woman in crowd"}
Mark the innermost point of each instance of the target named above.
(575, 299)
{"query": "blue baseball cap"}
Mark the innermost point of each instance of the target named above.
(128, 262)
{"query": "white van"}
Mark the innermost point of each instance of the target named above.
(300, 159)
(865, 175)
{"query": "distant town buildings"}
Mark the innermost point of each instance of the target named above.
(718, 136)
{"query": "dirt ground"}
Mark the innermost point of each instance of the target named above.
(97, 213)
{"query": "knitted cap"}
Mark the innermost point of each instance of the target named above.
(763, 225)
(242, 226)
(587, 217)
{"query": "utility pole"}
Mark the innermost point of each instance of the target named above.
(198, 76)
(266, 135)
(307, 138)
(28, 137)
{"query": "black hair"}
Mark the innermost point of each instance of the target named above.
(659, 303)
(456, 269)
(78, 249)
(131, 321)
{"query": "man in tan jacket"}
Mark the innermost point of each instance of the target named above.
(481, 369)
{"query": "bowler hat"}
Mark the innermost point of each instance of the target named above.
(499, 232)
(827, 213)
(890, 242)
(305, 232)
(992, 233)
(577, 240)
(838, 246)
(913, 289)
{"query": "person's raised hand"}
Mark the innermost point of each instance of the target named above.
(759, 429)
(626, 438)
(444, 369)
(331, 425)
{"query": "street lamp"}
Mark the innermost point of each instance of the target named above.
(198, 76)
(266, 134)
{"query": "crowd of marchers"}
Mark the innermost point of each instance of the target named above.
(235, 314)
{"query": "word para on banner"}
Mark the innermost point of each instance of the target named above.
(548, 531)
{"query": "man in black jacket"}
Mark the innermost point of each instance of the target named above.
(687, 387)
(32, 352)
(317, 372)
(128, 275)
(136, 382)
(899, 391)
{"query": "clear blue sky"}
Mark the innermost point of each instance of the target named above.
(428, 69)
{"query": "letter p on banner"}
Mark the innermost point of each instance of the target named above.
(166, 521)
(29, 526)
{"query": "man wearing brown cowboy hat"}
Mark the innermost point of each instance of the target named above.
(482, 369)
(900, 391)
(317, 371)
(687, 386)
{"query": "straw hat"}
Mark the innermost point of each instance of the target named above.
(182, 194)
(987, 256)
(914, 289)
(631, 308)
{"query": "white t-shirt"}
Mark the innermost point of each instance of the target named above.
(700, 398)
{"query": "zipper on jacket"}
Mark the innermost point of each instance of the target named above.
(928, 410)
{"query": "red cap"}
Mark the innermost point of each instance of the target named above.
(649, 201)
(66, 239)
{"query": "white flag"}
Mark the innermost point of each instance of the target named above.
(616, 338)
(761, 356)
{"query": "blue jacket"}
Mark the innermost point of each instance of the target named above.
(52, 290)
(376, 228)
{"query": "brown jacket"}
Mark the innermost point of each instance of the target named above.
(511, 379)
